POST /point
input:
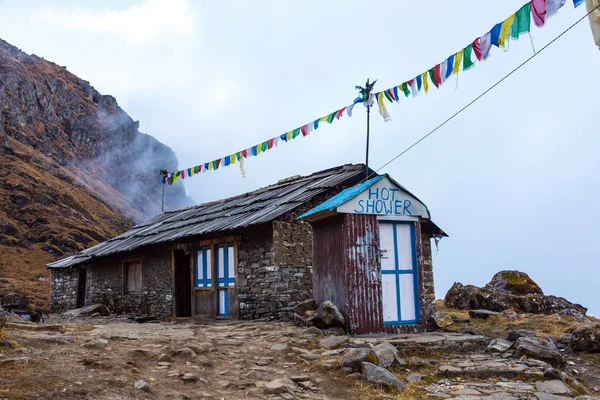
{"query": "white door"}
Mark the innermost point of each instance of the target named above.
(398, 273)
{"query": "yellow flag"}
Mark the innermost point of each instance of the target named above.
(505, 31)
(457, 62)
(425, 82)
(232, 159)
(288, 136)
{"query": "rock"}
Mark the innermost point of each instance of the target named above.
(277, 386)
(332, 342)
(520, 386)
(380, 377)
(307, 305)
(386, 354)
(14, 360)
(142, 385)
(514, 282)
(187, 377)
(184, 352)
(334, 331)
(586, 338)
(335, 352)
(309, 357)
(586, 398)
(499, 345)
(541, 349)
(98, 343)
(417, 362)
(300, 378)
(313, 331)
(88, 311)
(165, 357)
(548, 396)
(515, 335)
(414, 377)
(442, 319)
(354, 357)
(553, 387)
(482, 314)
(553, 373)
(279, 346)
(326, 316)
(2, 317)
(566, 338)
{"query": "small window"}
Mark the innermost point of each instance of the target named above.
(132, 274)
(203, 267)
(225, 265)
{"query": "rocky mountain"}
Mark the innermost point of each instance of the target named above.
(74, 170)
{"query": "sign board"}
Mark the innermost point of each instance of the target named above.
(385, 198)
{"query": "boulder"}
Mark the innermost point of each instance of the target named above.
(331, 342)
(509, 290)
(386, 354)
(442, 320)
(553, 387)
(89, 311)
(142, 385)
(278, 386)
(2, 317)
(586, 338)
(305, 308)
(499, 345)
(381, 377)
(514, 282)
(326, 316)
(540, 349)
(515, 335)
(354, 357)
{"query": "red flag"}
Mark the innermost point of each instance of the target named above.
(339, 113)
(477, 48)
(538, 10)
(182, 174)
(437, 75)
(244, 153)
(303, 129)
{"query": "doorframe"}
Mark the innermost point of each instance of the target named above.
(411, 221)
(77, 293)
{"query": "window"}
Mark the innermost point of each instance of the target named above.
(204, 267)
(132, 276)
(225, 265)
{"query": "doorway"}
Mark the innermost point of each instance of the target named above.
(183, 283)
(81, 282)
(399, 283)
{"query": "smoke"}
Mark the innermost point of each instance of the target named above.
(130, 162)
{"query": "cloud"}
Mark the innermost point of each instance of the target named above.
(139, 24)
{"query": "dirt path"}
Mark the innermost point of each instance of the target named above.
(228, 361)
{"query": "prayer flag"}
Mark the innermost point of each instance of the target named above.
(477, 48)
(206, 167)
(437, 78)
(457, 61)
(443, 70)
(189, 171)
(522, 22)
(182, 174)
(331, 117)
(552, 7)
(283, 137)
(264, 146)
(495, 32)
(425, 83)
(396, 96)
(277, 139)
(270, 143)
(289, 136)
(339, 113)
(594, 17)
(370, 100)
(309, 129)
(577, 3)
(505, 31)
(449, 66)
(419, 80)
(431, 73)
(244, 153)
(316, 124)
(382, 110)
(413, 87)
(405, 89)
(227, 161)
(538, 10)
(467, 63)
(389, 96)
(255, 150)
(232, 159)
(485, 43)
(295, 133)
(324, 119)
(349, 110)
(303, 129)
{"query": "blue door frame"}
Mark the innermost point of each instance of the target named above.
(397, 272)
(224, 282)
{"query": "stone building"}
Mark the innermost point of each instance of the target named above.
(372, 257)
(244, 257)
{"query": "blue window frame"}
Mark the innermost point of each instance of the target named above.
(225, 265)
(204, 267)
(397, 272)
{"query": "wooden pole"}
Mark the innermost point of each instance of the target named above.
(163, 198)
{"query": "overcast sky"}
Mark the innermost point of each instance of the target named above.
(514, 180)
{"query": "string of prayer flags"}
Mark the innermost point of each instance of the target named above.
(240, 156)
(500, 35)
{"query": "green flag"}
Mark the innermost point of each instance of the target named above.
(467, 63)
(522, 22)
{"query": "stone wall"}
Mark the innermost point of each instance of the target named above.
(105, 285)
(63, 294)
(429, 289)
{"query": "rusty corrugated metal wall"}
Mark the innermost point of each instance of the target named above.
(363, 279)
(328, 262)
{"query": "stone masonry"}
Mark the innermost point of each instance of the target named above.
(428, 286)
(63, 295)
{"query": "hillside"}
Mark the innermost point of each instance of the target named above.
(74, 170)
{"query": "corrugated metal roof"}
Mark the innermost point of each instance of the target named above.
(253, 208)
(342, 197)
